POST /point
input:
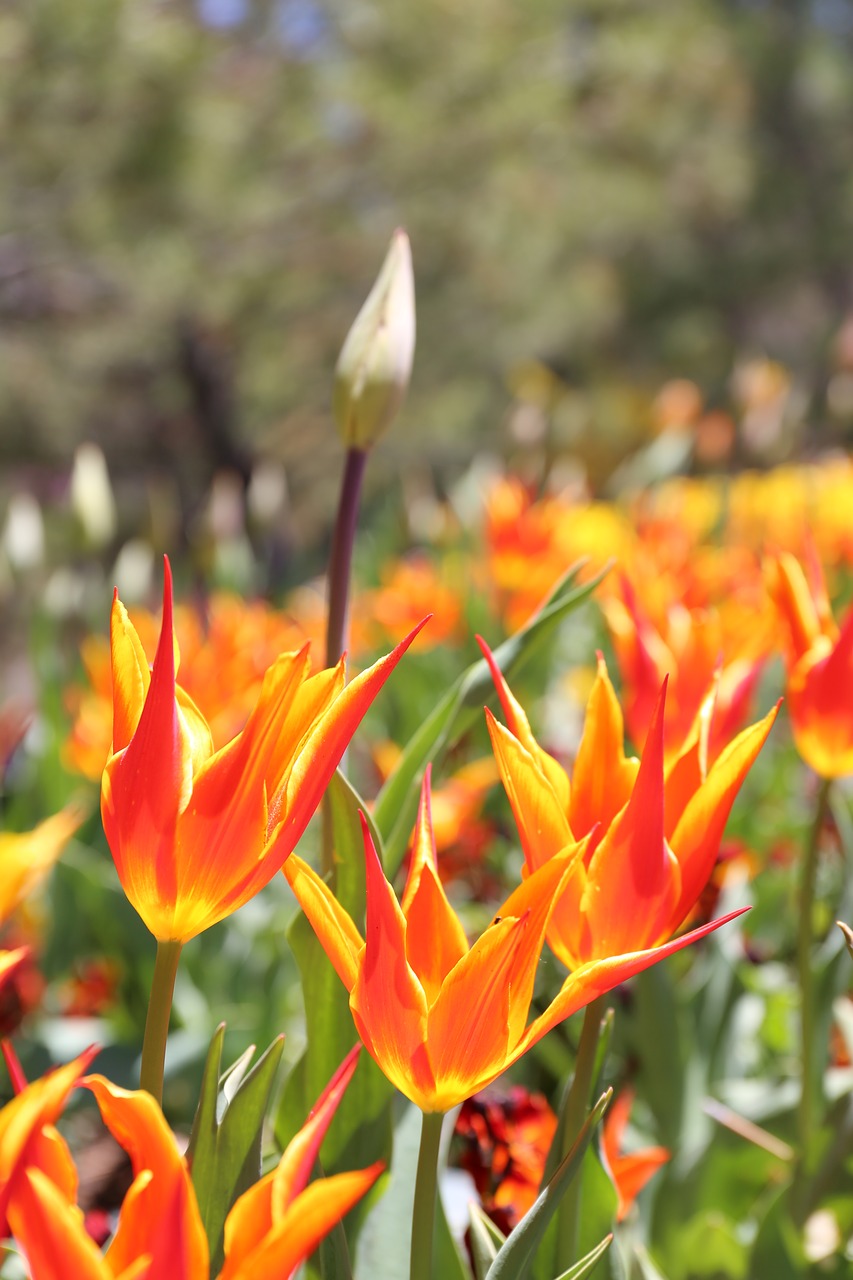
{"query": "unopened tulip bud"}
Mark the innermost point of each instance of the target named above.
(375, 364)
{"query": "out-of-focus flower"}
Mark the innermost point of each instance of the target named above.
(195, 832)
(92, 494)
(651, 833)
(692, 650)
(411, 588)
(375, 364)
(27, 856)
(269, 1231)
(441, 1018)
(819, 687)
(505, 1139)
(630, 1172)
(91, 989)
(226, 648)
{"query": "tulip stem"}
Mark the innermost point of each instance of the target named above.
(573, 1114)
(805, 934)
(340, 559)
(426, 1186)
(157, 1021)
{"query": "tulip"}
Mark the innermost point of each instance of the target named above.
(443, 1019)
(27, 856)
(651, 833)
(269, 1231)
(819, 686)
(196, 833)
(375, 364)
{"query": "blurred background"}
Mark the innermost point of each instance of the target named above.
(602, 198)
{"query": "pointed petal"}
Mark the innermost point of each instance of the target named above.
(51, 1233)
(519, 727)
(320, 754)
(9, 962)
(340, 939)
(689, 769)
(131, 675)
(297, 1162)
(543, 825)
(22, 1119)
(632, 1172)
(387, 1001)
(148, 1220)
(696, 839)
(435, 939)
(615, 1124)
(599, 789)
(789, 590)
(599, 976)
(311, 1216)
(146, 786)
(483, 1005)
(633, 880)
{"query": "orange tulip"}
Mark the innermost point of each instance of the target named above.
(819, 687)
(693, 647)
(630, 1172)
(27, 856)
(270, 1230)
(196, 833)
(652, 834)
(443, 1019)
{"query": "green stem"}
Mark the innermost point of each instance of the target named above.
(808, 1076)
(426, 1185)
(573, 1114)
(157, 1022)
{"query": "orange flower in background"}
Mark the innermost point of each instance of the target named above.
(442, 1018)
(26, 857)
(819, 687)
(632, 1171)
(651, 833)
(412, 588)
(269, 1231)
(195, 832)
(693, 649)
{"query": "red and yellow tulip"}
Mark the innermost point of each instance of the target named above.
(269, 1231)
(651, 832)
(819, 686)
(195, 832)
(442, 1018)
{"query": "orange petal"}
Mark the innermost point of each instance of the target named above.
(633, 880)
(696, 839)
(22, 1119)
(131, 675)
(387, 1001)
(435, 939)
(311, 1216)
(820, 703)
(600, 790)
(51, 1233)
(789, 589)
(689, 769)
(542, 821)
(162, 1217)
(520, 728)
(26, 857)
(338, 935)
(632, 1172)
(599, 976)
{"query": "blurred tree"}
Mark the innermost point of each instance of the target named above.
(627, 192)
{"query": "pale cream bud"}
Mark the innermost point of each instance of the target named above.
(375, 364)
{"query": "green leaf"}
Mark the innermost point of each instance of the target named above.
(225, 1145)
(360, 1132)
(515, 1254)
(486, 1239)
(585, 1266)
(396, 805)
(778, 1249)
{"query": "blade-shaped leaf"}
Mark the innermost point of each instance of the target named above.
(513, 1257)
(586, 1264)
(396, 805)
(225, 1145)
(486, 1239)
